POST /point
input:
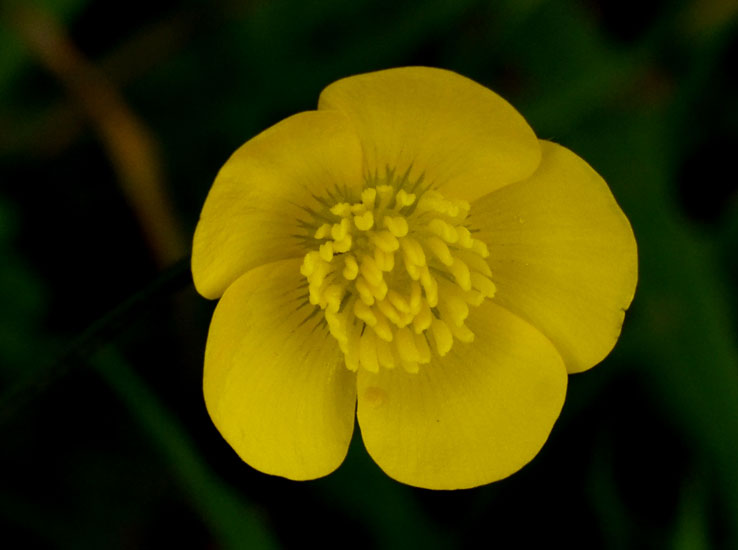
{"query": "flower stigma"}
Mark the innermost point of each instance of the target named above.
(395, 271)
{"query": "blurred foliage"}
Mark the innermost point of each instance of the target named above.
(106, 439)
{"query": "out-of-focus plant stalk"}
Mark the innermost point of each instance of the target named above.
(131, 148)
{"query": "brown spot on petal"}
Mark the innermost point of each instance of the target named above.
(374, 396)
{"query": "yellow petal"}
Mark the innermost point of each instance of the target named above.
(472, 417)
(275, 384)
(562, 254)
(454, 132)
(252, 213)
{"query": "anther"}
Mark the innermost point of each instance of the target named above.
(350, 268)
(397, 225)
(326, 251)
(365, 221)
(340, 230)
(341, 209)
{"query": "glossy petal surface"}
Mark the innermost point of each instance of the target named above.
(458, 135)
(472, 417)
(253, 211)
(562, 255)
(275, 384)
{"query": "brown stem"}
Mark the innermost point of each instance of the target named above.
(129, 145)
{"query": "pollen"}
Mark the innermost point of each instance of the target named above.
(395, 271)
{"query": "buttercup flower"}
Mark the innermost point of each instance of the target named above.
(412, 247)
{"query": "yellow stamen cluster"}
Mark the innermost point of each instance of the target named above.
(395, 274)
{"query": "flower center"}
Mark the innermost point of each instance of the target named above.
(394, 273)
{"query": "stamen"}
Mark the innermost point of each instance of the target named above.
(397, 225)
(322, 231)
(368, 351)
(384, 354)
(365, 221)
(350, 269)
(340, 230)
(404, 198)
(383, 311)
(326, 251)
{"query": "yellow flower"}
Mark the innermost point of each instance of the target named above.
(412, 247)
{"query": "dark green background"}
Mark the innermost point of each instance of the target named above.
(105, 439)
